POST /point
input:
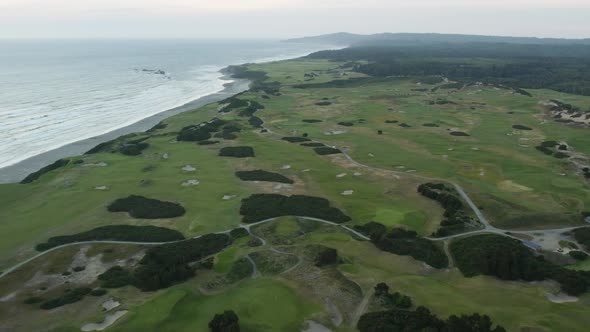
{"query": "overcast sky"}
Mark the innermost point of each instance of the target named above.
(288, 18)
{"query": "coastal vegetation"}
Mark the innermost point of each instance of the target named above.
(260, 175)
(509, 259)
(146, 208)
(237, 151)
(36, 175)
(115, 233)
(264, 206)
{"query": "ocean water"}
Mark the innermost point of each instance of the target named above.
(53, 93)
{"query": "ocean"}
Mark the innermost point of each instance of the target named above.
(56, 92)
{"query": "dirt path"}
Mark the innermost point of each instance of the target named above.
(361, 309)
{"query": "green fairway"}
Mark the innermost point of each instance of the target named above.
(262, 305)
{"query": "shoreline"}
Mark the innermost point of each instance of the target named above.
(16, 172)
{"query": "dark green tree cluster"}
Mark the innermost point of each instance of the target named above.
(115, 277)
(454, 220)
(295, 139)
(200, 132)
(255, 122)
(521, 127)
(146, 208)
(228, 321)
(69, 296)
(582, 235)
(313, 144)
(259, 207)
(168, 264)
(237, 151)
(232, 103)
(392, 300)
(260, 175)
(325, 150)
(326, 256)
(116, 233)
(509, 259)
(408, 243)
(131, 149)
(238, 233)
(564, 68)
(36, 175)
(422, 319)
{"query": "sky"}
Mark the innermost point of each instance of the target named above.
(288, 18)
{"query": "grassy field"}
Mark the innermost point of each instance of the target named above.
(515, 185)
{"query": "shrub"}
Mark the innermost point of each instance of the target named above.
(323, 103)
(115, 277)
(311, 120)
(521, 127)
(322, 151)
(240, 269)
(255, 122)
(207, 142)
(237, 151)
(346, 124)
(133, 149)
(509, 259)
(36, 175)
(459, 133)
(238, 233)
(391, 121)
(79, 268)
(116, 233)
(578, 255)
(167, 264)
(295, 139)
(549, 144)
(560, 155)
(69, 296)
(260, 175)
(98, 292)
(407, 243)
(422, 319)
(201, 131)
(582, 235)
(405, 125)
(326, 256)
(544, 149)
(226, 322)
(146, 208)
(33, 300)
(430, 125)
(264, 206)
(312, 144)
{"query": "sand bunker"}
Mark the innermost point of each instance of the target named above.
(341, 175)
(334, 132)
(228, 197)
(110, 304)
(347, 192)
(357, 174)
(286, 167)
(189, 168)
(100, 164)
(191, 182)
(101, 188)
(561, 298)
(165, 156)
(108, 321)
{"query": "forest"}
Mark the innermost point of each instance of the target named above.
(564, 68)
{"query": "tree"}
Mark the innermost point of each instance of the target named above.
(226, 322)
(381, 289)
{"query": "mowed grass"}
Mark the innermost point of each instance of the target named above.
(261, 304)
(493, 155)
